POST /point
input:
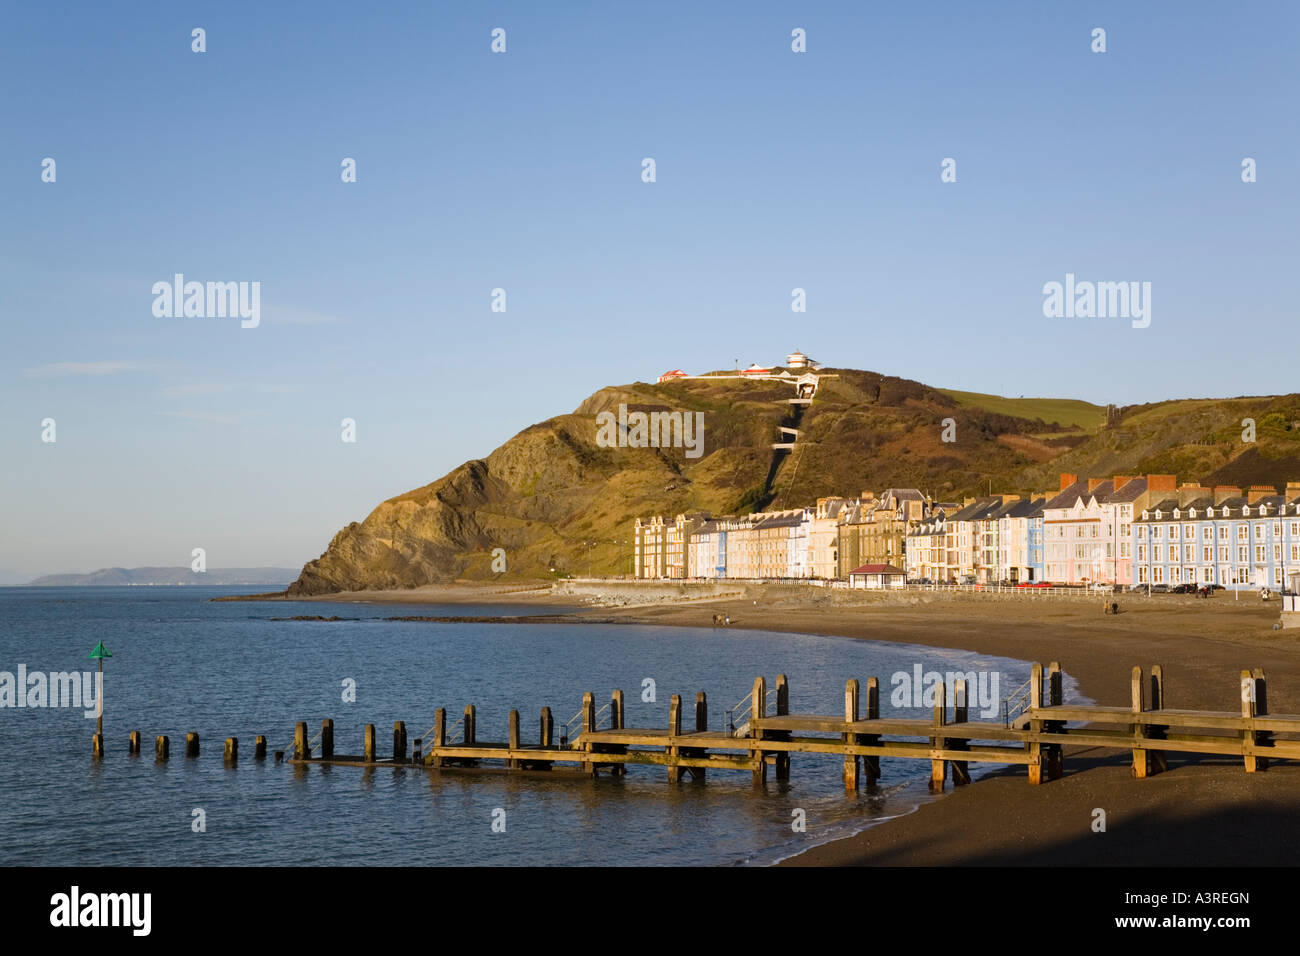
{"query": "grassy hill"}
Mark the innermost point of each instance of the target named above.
(552, 499)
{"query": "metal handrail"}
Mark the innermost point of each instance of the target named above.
(451, 731)
(1017, 702)
(743, 706)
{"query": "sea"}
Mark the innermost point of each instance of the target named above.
(182, 663)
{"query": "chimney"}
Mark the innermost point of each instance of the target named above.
(1162, 482)
(1259, 491)
(1067, 480)
(1093, 483)
(1190, 492)
(1293, 489)
(1122, 480)
(1223, 492)
(967, 502)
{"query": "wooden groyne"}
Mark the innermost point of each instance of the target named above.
(1036, 729)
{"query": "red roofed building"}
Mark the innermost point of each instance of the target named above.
(669, 376)
(755, 369)
(877, 577)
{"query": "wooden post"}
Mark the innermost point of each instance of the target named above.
(872, 764)
(367, 744)
(782, 710)
(1054, 754)
(300, 749)
(162, 749)
(1035, 726)
(97, 746)
(1254, 704)
(616, 713)
(1156, 760)
(399, 741)
(588, 728)
(192, 744)
(435, 758)
(327, 739)
(960, 715)
(758, 710)
(1140, 765)
(133, 744)
(674, 730)
(417, 750)
(1263, 737)
(231, 754)
(512, 741)
(548, 727)
(471, 725)
(259, 747)
(939, 767)
(701, 726)
(850, 772)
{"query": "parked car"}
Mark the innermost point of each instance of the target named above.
(1159, 589)
(1104, 587)
(1183, 589)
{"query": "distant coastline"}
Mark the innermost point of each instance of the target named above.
(177, 576)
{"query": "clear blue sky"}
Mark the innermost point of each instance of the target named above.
(774, 170)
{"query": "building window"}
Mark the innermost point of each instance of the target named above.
(1223, 532)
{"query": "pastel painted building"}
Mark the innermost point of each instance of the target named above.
(1220, 536)
(1087, 527)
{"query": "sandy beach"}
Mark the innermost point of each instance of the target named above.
(1203, 811)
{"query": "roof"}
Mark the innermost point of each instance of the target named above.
(877, 569)
(1104, 492)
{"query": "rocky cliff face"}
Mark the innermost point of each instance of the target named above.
(552, 498)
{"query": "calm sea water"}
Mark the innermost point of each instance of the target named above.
(182, 663)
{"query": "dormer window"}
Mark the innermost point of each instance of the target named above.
(1178, 513)
(1159, 515)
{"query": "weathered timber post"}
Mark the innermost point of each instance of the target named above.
(1054, 754)
(439, 737)
(162, 747)
(1141, 767)
(1254, 704)
(701, 726)
(231, 754)
(939, 766)
(259, 747)
(192, 744)
(548, 727)
(757, 712)
(301, 749)
(1156, 760)
(327, 739)
(367, 744)
(616, 713)
(399, 741)
(97, 746)
(872, 764)
(133, 743)
(1035, 726)
(850, 773)
(471, 725)
(960, 715)
(588, 728)
(417, 750)
(782, 710)
(512, 741)
(674, 731)
(1264, 737)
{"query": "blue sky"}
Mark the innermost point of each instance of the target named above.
(522, 171)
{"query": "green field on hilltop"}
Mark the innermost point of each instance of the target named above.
(1065, 411)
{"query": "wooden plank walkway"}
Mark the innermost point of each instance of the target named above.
(1034, 738)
